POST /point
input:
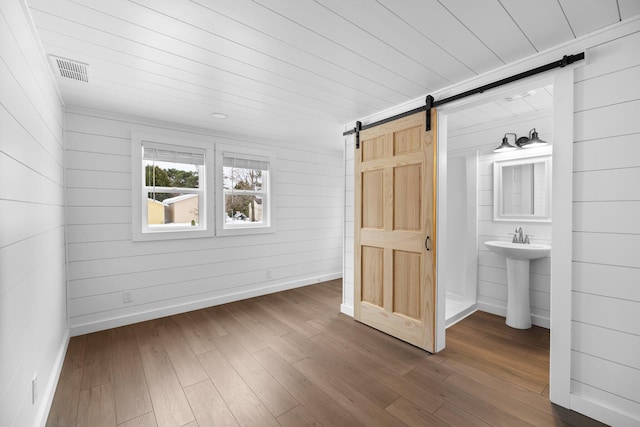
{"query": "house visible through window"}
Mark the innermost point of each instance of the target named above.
(245, 187)
(172, 187)
(244, 191)
(171, 193)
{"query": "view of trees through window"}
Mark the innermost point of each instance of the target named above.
(167, 204)
(155, 176)
(243, 188)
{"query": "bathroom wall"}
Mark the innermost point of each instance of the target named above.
(492, 270)
(33, 325)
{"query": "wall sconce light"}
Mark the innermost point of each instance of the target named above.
(531, 141)
(505, 146)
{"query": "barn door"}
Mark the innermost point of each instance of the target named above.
(395, 229)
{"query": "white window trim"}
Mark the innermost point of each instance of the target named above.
(140, 231)
(269, 224)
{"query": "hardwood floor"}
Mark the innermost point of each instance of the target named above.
(290, 359)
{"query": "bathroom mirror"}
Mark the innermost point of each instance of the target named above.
(522, 189)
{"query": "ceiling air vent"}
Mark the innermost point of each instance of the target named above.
(69, 69)
(520, 95)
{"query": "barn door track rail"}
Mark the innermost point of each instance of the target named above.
(430, 102)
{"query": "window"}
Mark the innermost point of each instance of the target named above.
(244, 183)
(170, 189)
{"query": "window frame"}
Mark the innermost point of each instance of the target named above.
(140, 228)
(268, 224)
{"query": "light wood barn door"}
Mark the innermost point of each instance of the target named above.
(395, 229)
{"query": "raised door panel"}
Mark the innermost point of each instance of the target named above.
(372, 275)
(407, 284)
(372, 199)
(407, 205)
(372, 148)
(407, 140)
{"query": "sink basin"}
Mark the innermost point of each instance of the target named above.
(518, 256)
(519, 250)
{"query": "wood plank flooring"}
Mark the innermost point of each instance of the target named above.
(291, 359)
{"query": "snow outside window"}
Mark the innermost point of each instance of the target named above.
(246, 200)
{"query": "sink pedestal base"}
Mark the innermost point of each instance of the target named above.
(518, 307)
(518, 256)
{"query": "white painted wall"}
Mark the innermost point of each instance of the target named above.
(180, 275)
(461, 248)
(605, 343)
(459, 238)
(349, 242)
(605, 306)
(492, 269)
(33, 327)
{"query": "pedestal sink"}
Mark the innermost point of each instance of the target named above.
(518, 256)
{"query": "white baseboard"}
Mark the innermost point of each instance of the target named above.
(492, 308)
(602, 413)
(346, 309)
(52, 383)
(114, 322)
(461, 316)
(543, 322)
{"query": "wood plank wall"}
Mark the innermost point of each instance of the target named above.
(606, 227)
(178, 275)
(32, 271)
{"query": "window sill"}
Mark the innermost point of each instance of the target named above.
(245, 230)
(171, 235)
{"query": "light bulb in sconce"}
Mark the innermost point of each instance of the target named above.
(532, 141)
(505, 146)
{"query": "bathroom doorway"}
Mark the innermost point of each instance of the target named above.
(562, 81)
(475, 278)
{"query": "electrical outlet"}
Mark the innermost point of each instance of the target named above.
(34, 389)
(127, 297)
(269, 273)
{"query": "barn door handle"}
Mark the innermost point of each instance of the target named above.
(427, 243)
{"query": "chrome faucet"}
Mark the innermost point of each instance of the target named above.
(517, 236)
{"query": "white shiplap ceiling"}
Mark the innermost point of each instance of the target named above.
(296, 70)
